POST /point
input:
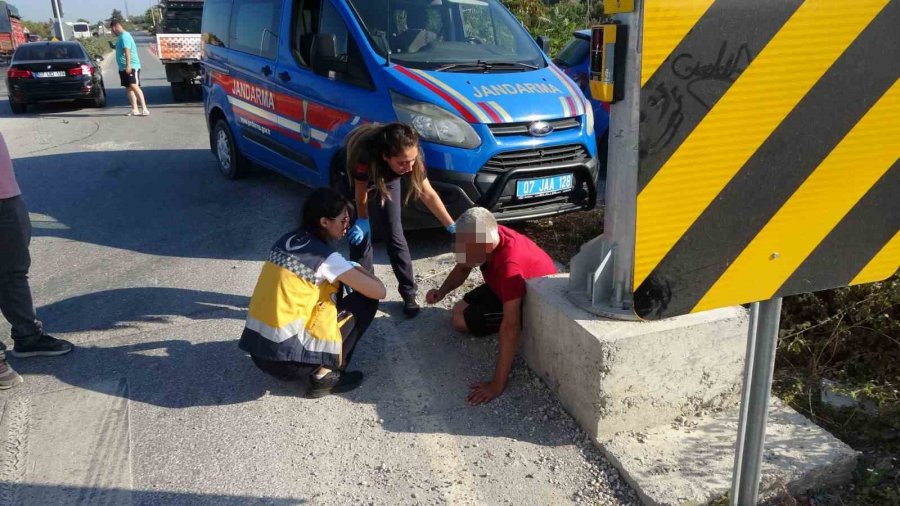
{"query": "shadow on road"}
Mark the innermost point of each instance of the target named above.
(158, 97)
(124, 308)
(161, 202)
(28, 494)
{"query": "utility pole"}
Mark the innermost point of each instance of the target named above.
(57, 14)
(127, 16)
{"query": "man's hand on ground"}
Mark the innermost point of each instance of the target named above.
(484, 392)
(433, 296)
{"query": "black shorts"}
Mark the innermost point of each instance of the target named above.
(128, 79)
(484, 313)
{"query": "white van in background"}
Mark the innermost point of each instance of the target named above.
(80, 30)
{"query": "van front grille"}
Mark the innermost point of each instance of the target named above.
(538, 158)
(521, 128)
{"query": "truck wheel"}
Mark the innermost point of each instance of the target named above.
(177, 92)
(16, 107)
(231, 162)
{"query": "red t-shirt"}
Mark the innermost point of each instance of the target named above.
(515, 259)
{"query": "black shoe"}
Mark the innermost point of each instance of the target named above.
(411, 306)
(334, 382)
(43, 346)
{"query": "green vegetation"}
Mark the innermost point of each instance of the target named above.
(41, 28)
(97, 46)
(556, 21)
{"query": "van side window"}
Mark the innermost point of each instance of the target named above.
(254, 27)
(215, 22)
(315, 17)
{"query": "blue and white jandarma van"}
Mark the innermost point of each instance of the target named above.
(502, 127)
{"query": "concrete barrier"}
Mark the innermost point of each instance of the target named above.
(615, 375)
(661, 399)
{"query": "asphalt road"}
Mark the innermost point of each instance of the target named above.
(144, 256)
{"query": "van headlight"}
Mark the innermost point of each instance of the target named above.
(434, 124)
(589, 115)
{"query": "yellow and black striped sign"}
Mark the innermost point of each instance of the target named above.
(769, 146)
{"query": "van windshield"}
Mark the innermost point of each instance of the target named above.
(440, 34)
(81, 27)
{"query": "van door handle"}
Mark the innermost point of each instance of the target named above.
(267, 71)
(284, 76)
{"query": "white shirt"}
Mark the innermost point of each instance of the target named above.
(332, 268)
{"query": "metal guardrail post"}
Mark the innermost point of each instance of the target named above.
(602, 272)
(762, 342)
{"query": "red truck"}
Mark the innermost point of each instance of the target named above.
(12, 33)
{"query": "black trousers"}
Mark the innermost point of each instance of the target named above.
(15, 293)
(388, 219)
(362, 310)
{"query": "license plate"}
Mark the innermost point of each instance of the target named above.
(55, 73)
(541, 186)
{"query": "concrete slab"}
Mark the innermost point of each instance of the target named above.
(71, 446)
(615, 375)
(638, 387)
(691, 461)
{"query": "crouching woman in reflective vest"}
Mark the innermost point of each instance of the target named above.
(299, 323)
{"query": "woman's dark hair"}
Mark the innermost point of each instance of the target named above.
(373, 142)
(394, 138)
(321, 203)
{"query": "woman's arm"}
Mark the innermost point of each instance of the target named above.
(361, 193)
(433, 202)
(364, 282)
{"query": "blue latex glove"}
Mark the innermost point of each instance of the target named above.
(359, 231)
(451, 228)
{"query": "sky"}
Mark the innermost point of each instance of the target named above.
(92, 10)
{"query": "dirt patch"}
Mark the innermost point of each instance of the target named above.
(562, 236)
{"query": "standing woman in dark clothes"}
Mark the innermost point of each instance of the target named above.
(379, 158)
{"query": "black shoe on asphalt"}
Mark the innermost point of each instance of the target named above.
(411, 306)
(43, 346)
(8, 377)
(334, 382)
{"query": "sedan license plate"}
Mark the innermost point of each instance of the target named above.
(542, 186)
(54, 73)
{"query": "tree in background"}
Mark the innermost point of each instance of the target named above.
(41, 28)
(558, 20)
(82, 20)
(116, 16)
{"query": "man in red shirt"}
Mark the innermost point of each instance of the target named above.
(506, 258)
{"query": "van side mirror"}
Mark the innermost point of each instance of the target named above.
(323, 55)
(544, 42)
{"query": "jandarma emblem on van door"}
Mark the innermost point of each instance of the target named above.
(540, 128)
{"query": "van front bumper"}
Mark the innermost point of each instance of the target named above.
(495, 190)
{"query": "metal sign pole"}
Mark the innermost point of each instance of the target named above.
(57, 13)
(762, 342)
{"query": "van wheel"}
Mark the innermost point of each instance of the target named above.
(16, 107)
(231, 162)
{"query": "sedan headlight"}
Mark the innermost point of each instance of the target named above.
(435, 124)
